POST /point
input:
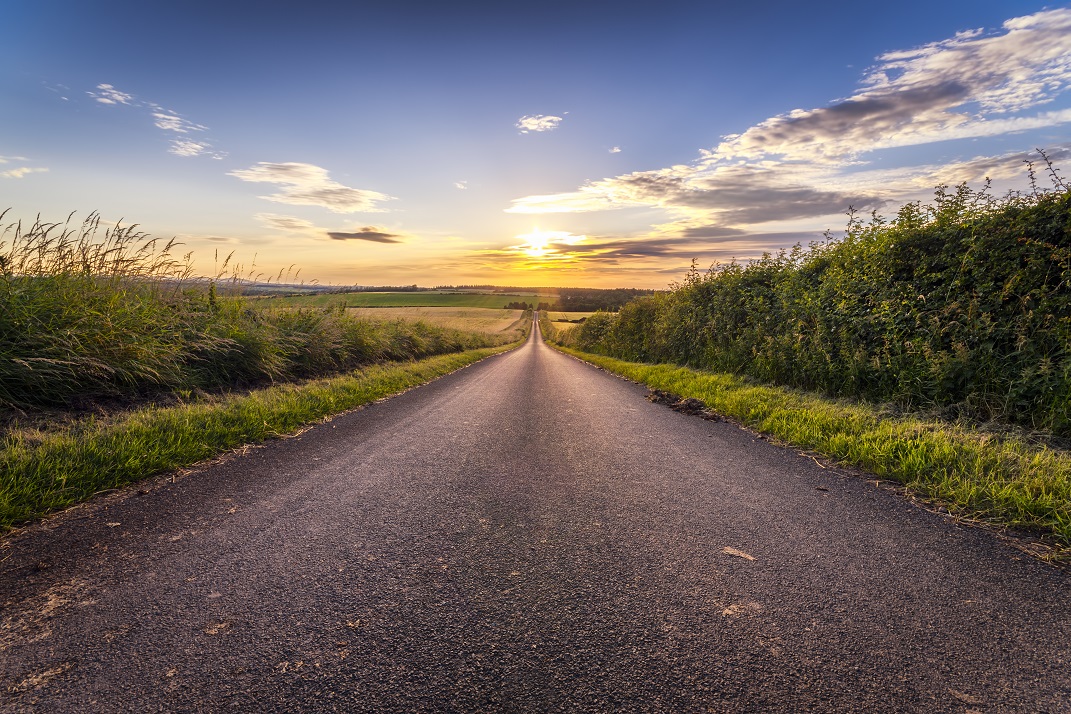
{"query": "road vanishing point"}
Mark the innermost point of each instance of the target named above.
(528, 534)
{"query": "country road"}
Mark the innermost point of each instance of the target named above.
(528, 534)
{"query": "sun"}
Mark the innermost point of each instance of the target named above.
(536, 244)
(541, 244)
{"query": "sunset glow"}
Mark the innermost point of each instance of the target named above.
(542, 244)
(642, 143)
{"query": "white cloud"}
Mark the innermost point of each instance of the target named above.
(9, 159)
(21, 172)
(538, 122)
(170, 121)
(310, 185)
(463, 185)
(962, 87)
(615, 150)
(164, 119)
(61, 89)
(110, 95)
(188, 147)
(726, 195)
(806, 164)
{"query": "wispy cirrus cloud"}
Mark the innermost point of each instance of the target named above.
(812, 163)
(107, 94)
(22, 171)
(19, 171)
(538, 123)
(310, 185)
(286, 224)
(164, 119)
(170, 121)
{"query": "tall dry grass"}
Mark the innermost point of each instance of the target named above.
(91, 311)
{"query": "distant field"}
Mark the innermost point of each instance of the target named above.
(418, 299)
(555, 315)
(473, 319)
(558, 318)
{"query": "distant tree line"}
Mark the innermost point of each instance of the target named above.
(590, 300)
(386, 289)
(584, 300)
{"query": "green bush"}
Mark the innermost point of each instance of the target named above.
(962, 306)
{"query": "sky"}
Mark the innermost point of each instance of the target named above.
(549, 143)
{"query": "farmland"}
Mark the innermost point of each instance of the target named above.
(485, 320)
(566, 321)
(423, 298)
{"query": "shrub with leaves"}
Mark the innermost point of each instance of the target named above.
(962, 306)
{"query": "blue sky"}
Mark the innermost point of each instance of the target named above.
(549, 143)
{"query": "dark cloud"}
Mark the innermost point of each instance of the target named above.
(739, 195)
(608, 251)
(878, 114)
(744, 245)
(743, 198)
(711, 231)
(369, 233)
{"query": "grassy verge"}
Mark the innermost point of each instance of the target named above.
(1002, 480)
(44, 472)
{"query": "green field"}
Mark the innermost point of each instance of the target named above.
(484, 320)
(414, 299)
(565, 321)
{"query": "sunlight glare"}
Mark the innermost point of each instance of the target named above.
(540, 244)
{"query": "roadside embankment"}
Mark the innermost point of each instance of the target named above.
(46, 470)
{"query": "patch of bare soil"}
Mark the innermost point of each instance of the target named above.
(689, 406)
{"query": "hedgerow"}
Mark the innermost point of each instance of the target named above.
(961, 306)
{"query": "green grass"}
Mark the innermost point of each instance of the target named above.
(45, 472)
(97, 317)
(91, 313)
(999, 479)
(413, 299)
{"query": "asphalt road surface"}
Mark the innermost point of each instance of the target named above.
(528, 534)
